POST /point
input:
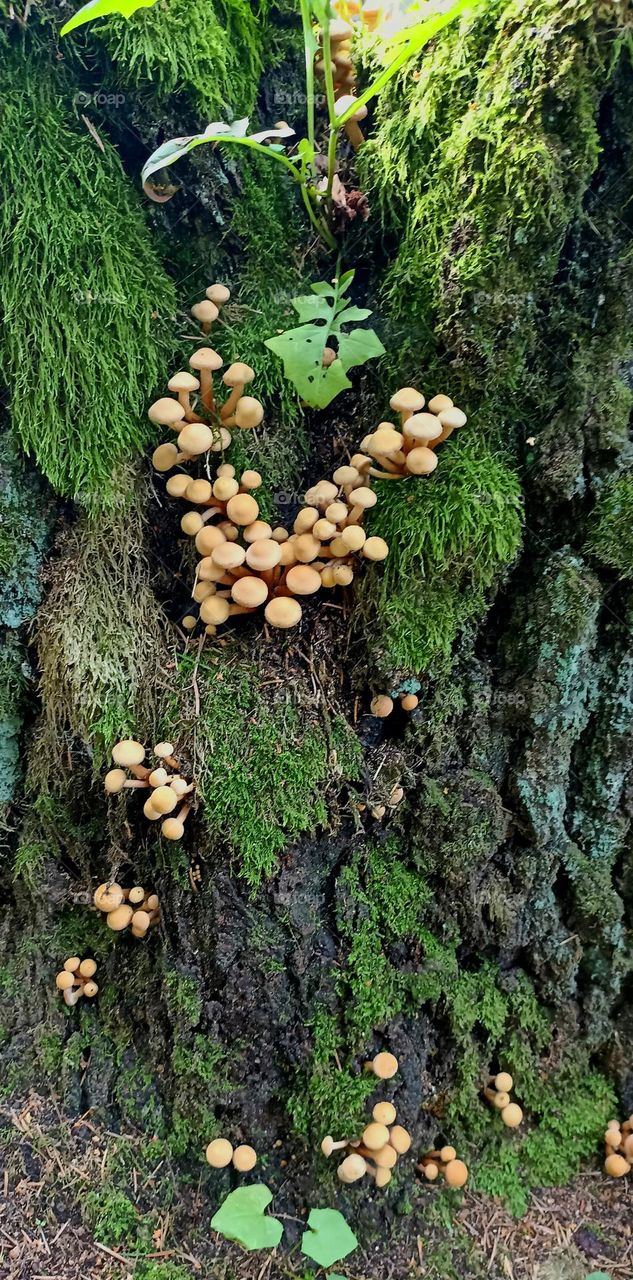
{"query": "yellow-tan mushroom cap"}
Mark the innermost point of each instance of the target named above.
(206, 358)
(283, 612)
(166, 412)
(219, 1153)
(128, 752)
(249, 592)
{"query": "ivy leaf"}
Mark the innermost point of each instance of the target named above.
(241, 1218)
(218, 131)
(329, 1238)
(322, 313)
(101, 9)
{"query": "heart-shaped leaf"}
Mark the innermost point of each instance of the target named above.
(101, 9)
(241, 1218)
(329, 1238)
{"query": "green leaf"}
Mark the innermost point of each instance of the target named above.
(219, 131)
(329, 1238)
(101, 9)
(241, 1218)
(595, 1275)
(322, 313)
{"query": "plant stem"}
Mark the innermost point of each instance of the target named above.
(331, 107)
(309, 45)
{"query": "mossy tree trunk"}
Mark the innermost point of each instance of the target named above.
(486, 921)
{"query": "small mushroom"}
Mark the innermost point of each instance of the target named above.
(244, 1158)
(205, 313)
(352, 126)
(166, 413)
(219, 1153)
(399, 1139)
(108, 896)
(328, 1145)
(456, 1173)
(237, 376)
(409, 701)
(406, 402)
(384, 1066)
(384, 1113)
(512, 1115)
(120, 918)
(503, 1082)
(184, 384)
(283, 612)
(352, 1169)
(206, 362)
(381, 706)
(616, 1166)
(219, 294)
(375, 1136)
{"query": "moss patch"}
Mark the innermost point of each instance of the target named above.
(83, 294)
(264, 757)
(611, 533)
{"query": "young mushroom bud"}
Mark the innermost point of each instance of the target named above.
(244, 1158)
(165, 751)
(512, 1116)
(399, 1139)
(384, 1066)
(219, 1153)
(352, 126)
(328, 1145)
(194, 439)
(114, 781)
(88, 968)
(456, 1173)
(242, 509)
(381, 1175)
(284, 612)
(108, 896)
(205, 313)
(503, 1082)
(375, 1136)
(409, 701)
(616, 1166)
(219, 294)
(166, 413)
(430, 1170)
(237, 376)
(165, 457)
(174, 828)
(90, 989)
(375, 549)
(64, 980)
(381, 706)
(419, 462)
(248, 413)
(184, 384)
(384, 1113)
(119, 918)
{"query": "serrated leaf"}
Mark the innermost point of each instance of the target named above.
(218, 131)
(359, 346)
(101, 9)
(241, 1218)
(329, 1238)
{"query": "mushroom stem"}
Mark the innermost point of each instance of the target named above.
(354, 133)
(206, 390)
(355, 516)
(136, 783)
(190, 414)
(228, 408)
(387, 475)
(139, 771)
(389, 464)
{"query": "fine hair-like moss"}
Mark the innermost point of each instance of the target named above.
(83, 295)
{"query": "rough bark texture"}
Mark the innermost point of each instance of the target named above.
(486, 922)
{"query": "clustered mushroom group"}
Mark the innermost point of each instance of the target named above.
(376, 1152)
(167, 789)
(497, 1093)
(444, 1163)
(221, 1153)
(76, 980)
(410, 451)
(618, 1141)
(246, 564)
(134, 908)
(193, 410)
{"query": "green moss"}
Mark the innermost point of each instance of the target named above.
(111, 1215)
(94, 332)
(212, 51)
(161, 1271)
(329, 1096)
(183, 997)
(14, 679)
(449, 536)
(26, 516)
(264, 757)
(101, 634)
(611, 533)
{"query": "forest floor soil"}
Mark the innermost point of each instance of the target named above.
(67, 1183)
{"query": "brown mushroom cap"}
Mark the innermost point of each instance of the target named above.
(108, 896)
(183, 381)
(198, 491)
(208, 538)
(386, 440)
(353, 537)
(384, 1113)
(336, 511)
(321, 494)
(195, 438)
(409, 701)
(616, 1166)
(166, 412)
(119, 918)
(407, 400)
(90, 989)
(250, 479)
(375, 549)
(64, 980)
(72, 964)
(431, 1171)
(447, 1154)
(456, 1173)
(114, 781)
(512, 1115)
(283, 612)
(256, 530)
(141, 921)
(306, 519)
(244, 1158)
(399, 1139)
(164, 800)
(229, 555)
(375, 1136)
(205, 312)
(352, 1168)
(173, 828)
(219, 1153)
(440, 402)
(214, 610)
(248, 412)
(242, 509)
(421, 462)
(238, 374)
(157, 778)
(225, 487)
(128, 752)
(342, 574)
(384, 1065)
(263, 555)
(249, 592)
(150, 812)
(88, 968)
(218, 293)
(386, 1157)
(165, 457)
(347, 100)
(306, 548)
(381, 706)
(500, 1101)
(302, 580)
(191, 523)
(346, 475)
(206, 358)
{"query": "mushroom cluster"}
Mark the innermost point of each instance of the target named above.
(444, 1163)
(343, 76)
(193, 410)
(618, 1141)
(393, 454)
(221, 1153)
(376, 1152)
(133, 908)
(167, 789)
(497, 1093)
(246, 564)
(76, 980)
(382, 705)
